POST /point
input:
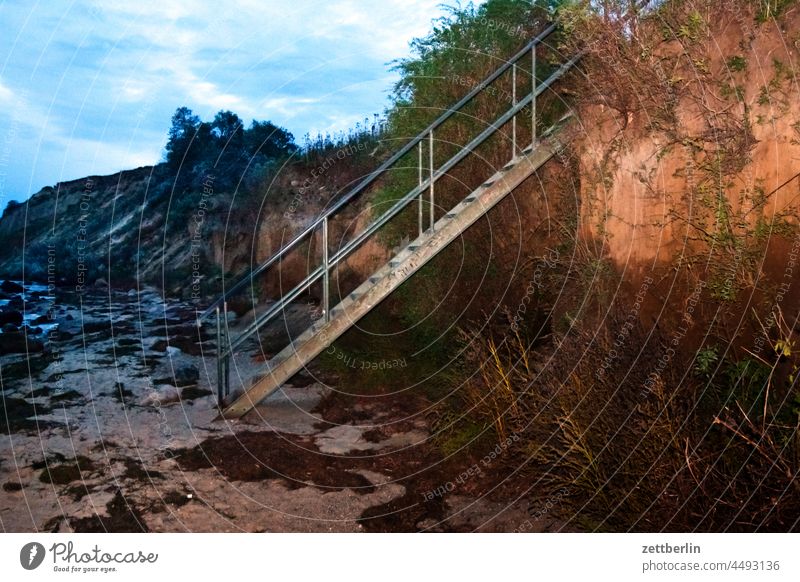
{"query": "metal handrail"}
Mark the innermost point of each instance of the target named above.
(398, 206)
(224, 354)
(227, 345)
(361, 186)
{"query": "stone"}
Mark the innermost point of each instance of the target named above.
(11, 287)
(14, 343)
(41, 319)
(10, 316)
(161, 395)
(187, 375)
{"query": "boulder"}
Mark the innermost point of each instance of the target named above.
(11, 287)
(14, 343)
(10, 316)
(161, 395)
(187, 376)
(41, 319)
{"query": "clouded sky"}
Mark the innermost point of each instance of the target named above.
(89, 87)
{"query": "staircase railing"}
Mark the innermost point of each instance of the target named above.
(425, 188)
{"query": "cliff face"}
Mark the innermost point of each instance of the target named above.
(724, 172)
(135, 226)
(123, 228)
(110, 228)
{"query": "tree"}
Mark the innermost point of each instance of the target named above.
(227, 128)
(182, 134)
(269, 140)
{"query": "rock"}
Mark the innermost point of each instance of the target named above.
(14, 343)
(193, 393)
(68, 317)
(162, 394)
(10, 316)
(41, 319)
(184, 344)
(100, 283)
(9, 327)
(187, 375)
(11, 287)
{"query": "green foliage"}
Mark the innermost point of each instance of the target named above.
(463, 48)
(736, 91)
(768, 9)
(221, 147)
(737, 64)
(453, 431)
(706, 360)
(693, 27)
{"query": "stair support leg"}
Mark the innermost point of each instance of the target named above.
(430, 159)
(326, 298)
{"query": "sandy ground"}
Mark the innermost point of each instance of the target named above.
(113, 429)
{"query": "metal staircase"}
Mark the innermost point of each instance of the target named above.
(336, 319)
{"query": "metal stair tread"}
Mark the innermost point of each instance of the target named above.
(371, 282)
(385, 280)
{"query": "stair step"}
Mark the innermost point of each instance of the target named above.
(377, 286)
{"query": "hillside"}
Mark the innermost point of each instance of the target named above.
(175, 228)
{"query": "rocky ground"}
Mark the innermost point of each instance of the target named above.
(108, 424)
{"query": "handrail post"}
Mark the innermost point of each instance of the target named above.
(325, 273)
(430, 158)
(514, 119)
(421, 193)
(226, 362)
(533, 94)
(220, 395)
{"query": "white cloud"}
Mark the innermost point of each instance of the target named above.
(6, 94)
(87, 75)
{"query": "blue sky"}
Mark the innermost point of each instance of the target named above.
(88, 87)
